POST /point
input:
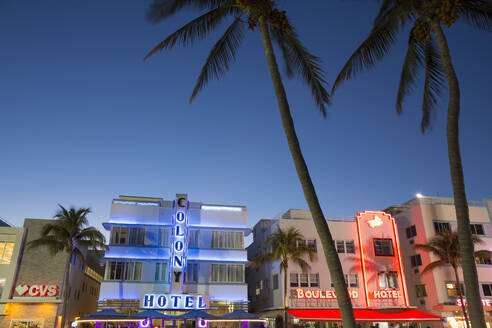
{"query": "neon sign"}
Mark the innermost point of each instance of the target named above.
(485, 302)
(376, 222)
(321, 294)
(179, 241)
(37, 290)
(386, 294)
(173, 301)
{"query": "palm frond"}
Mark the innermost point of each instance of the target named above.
(302, 264)
(223, 52)
(412, 64)
(433, 85)
(391, 9)
(300, 61)
(90, 233)
(484, 254)
(373, 49)
(195, 30)
(162, 9)
(477, 13)
(52, 243)
(263, 259)
(431, 266)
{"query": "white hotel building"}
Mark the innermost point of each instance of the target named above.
(174, 255)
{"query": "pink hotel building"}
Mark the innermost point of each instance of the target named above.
(380, 265)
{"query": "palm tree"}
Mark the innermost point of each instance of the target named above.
(446, 247)
(275, 27)
(428, 49)
(285, 246)
(69, 234)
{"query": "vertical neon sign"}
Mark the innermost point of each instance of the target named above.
(179, 243)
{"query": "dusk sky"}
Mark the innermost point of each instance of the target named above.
(84, 119)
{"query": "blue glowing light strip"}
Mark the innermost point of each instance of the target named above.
(221, 208)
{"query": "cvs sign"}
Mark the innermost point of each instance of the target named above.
(37, 290)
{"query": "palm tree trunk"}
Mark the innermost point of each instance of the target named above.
(460, 294)
(65, 290)
(461, 205)
(331, 255)
(286, 305)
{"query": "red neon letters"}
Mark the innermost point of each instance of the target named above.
(37, 290)
(321, 294)
(484, 302)
(387, 294)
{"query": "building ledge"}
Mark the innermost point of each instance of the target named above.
(31, 300)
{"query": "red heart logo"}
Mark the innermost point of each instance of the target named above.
(22, 289)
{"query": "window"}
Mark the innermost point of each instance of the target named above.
(304, 280)
(483, 260)
(452, 290)
(257, 288)
(314, 280)
(441, 227)
(164, 237)
(2, 285)
(388, 280)
(421, 290)
(191, 273)
(127, 236)
(477, 229)
(294, 280)
(27, 323)
(383, 247)
(275, 281)
(345, 246)
(161, 271)
(116, 270)
(411, 231)
(340, 244)
(350, 246)
(228, 239)
(416, 260)
(351, 279)
(227, 273)
(193, 236)
(312, 244)
(266, 284)
(6, 250)
(487, 289)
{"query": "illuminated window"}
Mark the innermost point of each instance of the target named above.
(314, 280)
(383, 247)
(421, 290)
(232, 273)
(477, 229)
(275, 281)
(6, 250)
(191, 275)
(161, 271)
(388, 280)
(487, 289)
(193, 237)
(411, 231)
(452, 290)
(27, 323)
(258, 288)
(116, 270)
(127, 236)
(416, 260)
(228, 239)
(304, 279)
(294, 280)
(441, 227)
(483, 260)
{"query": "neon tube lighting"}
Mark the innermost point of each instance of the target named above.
(402, 273)
(109, 320)
(236, 320)
(221, 208)
(364, 278)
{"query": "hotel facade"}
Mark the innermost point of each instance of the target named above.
(369, 251)
(174, 255)
(418, 220)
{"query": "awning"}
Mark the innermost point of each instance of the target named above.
(364, 315)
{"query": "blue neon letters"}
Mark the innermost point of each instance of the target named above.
(173, 301)
(178, 260)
